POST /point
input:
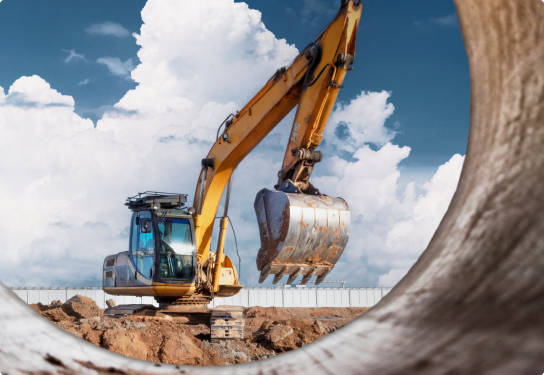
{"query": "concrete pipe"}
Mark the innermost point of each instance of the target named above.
(474, 301)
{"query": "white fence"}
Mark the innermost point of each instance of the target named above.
(265, 297)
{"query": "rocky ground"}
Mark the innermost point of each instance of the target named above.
(268, 332)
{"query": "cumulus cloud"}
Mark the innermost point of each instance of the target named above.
(108, 28)
(34, 91)
(116, 66)
(389, 228)
(361, 121)
(409, 237)
(84, 82)
(73, 55)
(450, 19)
(67, 180)
(391, 278)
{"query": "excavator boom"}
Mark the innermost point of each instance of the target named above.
(316, 227)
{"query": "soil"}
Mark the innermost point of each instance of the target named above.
(268, 332)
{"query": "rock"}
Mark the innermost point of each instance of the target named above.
(41, 307)
(111, 303)
(135, 325)
(278, 332)
(320, 327)
(81, 307)
(84, 329)
(57, 315)
(240, 357)
(125, 343)
(94, 337)
(181, 350)
(55, 304)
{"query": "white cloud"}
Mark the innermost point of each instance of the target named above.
(84, 82)
(67, 180)
(108, 28)
(392, 278)
(73, 55)
(409, 237)
(34, 91)
(450, 19)
(361, 121)
(389, 229)
(116, 66)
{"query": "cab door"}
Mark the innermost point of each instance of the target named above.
(142, 248)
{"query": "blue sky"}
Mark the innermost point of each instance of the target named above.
(410, 56)
(414, 50)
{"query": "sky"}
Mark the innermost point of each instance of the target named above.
(100, 100)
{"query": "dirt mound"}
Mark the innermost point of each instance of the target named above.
(277, 313)
(41, 307)
(81, 307)
(57, 315)
(125, 342)
(268, 332)
(238, 351)
(180, 349)
(257, 315)
(284, 336)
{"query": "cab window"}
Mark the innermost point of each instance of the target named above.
(141, 245)
(176, 249)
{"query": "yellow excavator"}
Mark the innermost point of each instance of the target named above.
(302, 231)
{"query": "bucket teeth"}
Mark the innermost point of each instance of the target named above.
(307, 276)
(294, 275)
(279, 275)
(264, 273)
(321, 277)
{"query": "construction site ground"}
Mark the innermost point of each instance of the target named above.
(269, 331)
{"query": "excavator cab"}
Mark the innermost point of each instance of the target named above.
(161, 260)
(162, 247)
(167, 238)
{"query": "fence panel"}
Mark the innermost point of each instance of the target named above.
(265, 297)
(145, 300)
(377, 295)
(22, 294)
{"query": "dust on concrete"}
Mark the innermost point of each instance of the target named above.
(268, 332)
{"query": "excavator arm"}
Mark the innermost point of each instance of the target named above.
(312, 81)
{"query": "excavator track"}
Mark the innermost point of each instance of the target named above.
(227, 322)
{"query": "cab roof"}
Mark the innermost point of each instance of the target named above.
(154, 200)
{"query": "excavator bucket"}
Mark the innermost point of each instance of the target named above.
(300, 234)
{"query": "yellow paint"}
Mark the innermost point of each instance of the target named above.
(224, 224)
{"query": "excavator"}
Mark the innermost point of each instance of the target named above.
(303, 232)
